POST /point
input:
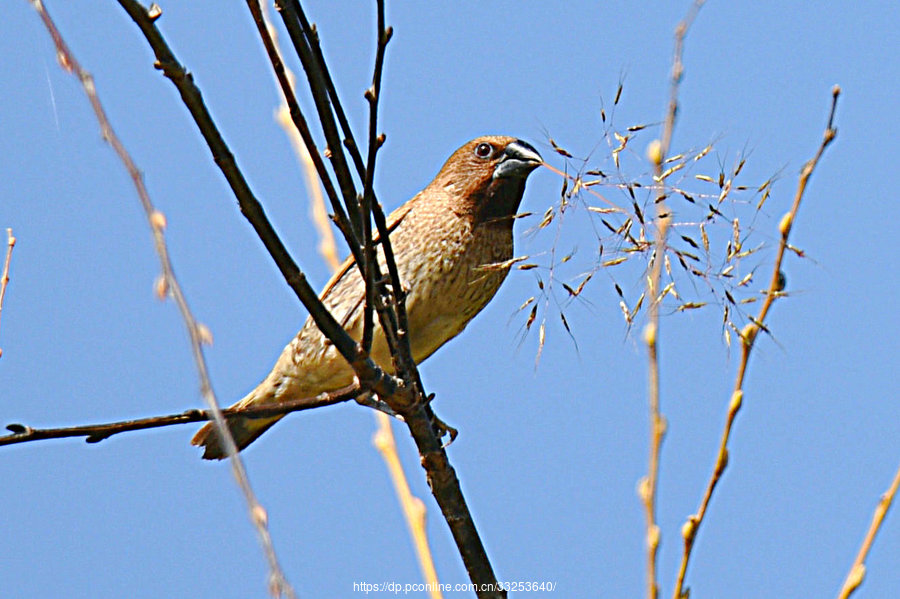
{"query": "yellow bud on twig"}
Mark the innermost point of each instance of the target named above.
(785, 225)
(158, 220)
(654, 152)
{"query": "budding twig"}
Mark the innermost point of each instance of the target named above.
(748, 337)
(196, 332)
(657, 153)
(858, 569)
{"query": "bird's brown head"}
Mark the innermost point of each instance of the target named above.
(486, 177)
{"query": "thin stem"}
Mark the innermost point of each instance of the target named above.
(278, 582)
(375, 141)
(290, 13)
(4, 278)
(858, 569)
(302, 127)
(413, 508)
(312, 37)
(662, 221)
(748, 338)
(94, 433)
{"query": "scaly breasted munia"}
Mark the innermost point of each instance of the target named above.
(443, 238)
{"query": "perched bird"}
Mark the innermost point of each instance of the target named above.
(450, 243)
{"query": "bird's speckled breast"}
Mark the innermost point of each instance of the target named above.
(453, 282)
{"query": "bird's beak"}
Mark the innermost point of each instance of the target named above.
(518, 159)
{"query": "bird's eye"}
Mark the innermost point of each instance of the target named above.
(484, 150)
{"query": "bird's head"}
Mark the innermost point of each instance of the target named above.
(486, 177)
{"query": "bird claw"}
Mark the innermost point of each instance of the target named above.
(442, 429)
(370, 400)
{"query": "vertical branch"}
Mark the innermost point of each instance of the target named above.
(290, 11)
(657, 153)
(413, 508)
(4, 278)
(305, 41)
(858, 569)
(369, 373)
(402, 352)
(748, 338)
(278, 584)
(312, 36)
(302, 127)
(321, 222)
(375, 141)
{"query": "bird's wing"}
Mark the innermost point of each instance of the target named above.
(393, 220)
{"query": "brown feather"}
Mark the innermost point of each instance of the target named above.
(442, 238)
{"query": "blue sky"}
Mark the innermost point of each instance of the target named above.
(549, 455)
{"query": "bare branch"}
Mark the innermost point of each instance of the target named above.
(858, 569)
(748, 337)
(416, 413)
(300, 34)
(375, 141)
(94, 433)
(296, 114)
(413, 508)
(657, 153)
(278, 582)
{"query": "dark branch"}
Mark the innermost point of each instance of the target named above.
(368, 198)
(340, 215)
(312, 37)
(290, 11)
(366, 369)
(94, 433)
(394, 323)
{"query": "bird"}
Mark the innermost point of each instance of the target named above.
(453, 246)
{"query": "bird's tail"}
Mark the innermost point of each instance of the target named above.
(243, 430)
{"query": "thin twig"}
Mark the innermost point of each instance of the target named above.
(415, 411)
(858, 569)
(748, 338)
(4, 278)
(401, 349)
(413, 508)
(304, 38)
(375, 141)
(657, 154)
(198, 334)
(316, 47)
(321, 222)
(94, 433)
(417, 415)
(364, 256)
(322, 86)
(291, 13)
(302, 127)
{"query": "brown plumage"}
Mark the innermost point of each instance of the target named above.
(442, 239)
